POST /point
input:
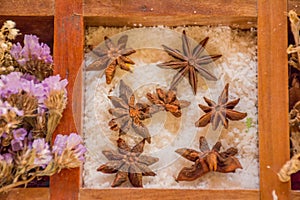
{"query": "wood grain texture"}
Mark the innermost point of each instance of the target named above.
(43, 27)
(295, 195)
(27, 7)
(26, 194)
(170, 13)
(272, 96)
(68, 56)
(168, 194)
(294, 5)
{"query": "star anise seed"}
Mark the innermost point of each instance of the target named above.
(167, 100)
(110, 58)
(129, 114)
(220, 112)
(207, 160)
(189, 62)
(128, 163)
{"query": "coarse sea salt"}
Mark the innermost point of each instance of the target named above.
(237, 66)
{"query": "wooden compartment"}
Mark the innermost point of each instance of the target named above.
(70, 18)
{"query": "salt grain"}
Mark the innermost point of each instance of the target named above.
(238, 66)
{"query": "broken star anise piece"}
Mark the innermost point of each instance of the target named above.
(129, 114)
(219, 112)
(110, 58)
(189, 62)
(207, 160)
(167, 101)
(128, 164)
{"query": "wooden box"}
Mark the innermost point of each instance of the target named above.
(61, 24)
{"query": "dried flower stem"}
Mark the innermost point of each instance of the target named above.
(295, 26)
(16, 184)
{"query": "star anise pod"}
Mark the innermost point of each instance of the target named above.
(189, 62)
(128, 114)
(220, 112)
(207, 160)
(167, 100)
(113, 56)
(128, 163)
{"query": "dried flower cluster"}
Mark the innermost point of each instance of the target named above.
(34, 58)
(31, 106)
(293, 165)
(289, 168)
(8, 32)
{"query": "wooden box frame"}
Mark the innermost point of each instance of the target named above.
(70, 17)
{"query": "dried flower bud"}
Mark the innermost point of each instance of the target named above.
(56, 103)
(33, 58)
(289, 168)
(68, 150)
(43, 154)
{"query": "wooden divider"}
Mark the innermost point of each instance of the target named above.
(69, 16)
(68, 56)
(273, 124)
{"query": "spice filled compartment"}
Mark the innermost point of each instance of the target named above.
(154, 108)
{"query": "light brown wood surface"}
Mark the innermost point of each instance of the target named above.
(68, 56)
(27, 7)
(170, 13)
(294, 5)
(295, 195)
(26, 194)
(165, 194)
(272, 96)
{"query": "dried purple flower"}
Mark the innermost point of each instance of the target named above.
(34, 58)
(71, 143)
(15, 82)
(7, 157)
(11, 83)
(53, 83)
(32, 50)
(30, 77)
(43, 155)
(5, 107)
(36, 90)
(19, 134)
(74, 143)
(79, 152)
(59, 144)
(16, 145)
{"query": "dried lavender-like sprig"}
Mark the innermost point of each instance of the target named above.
(6, 167)
(34, 57)
(16, 82)
(68, 151)
(37, 159)
(42, 151)
(55, 102)
(19, 136)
